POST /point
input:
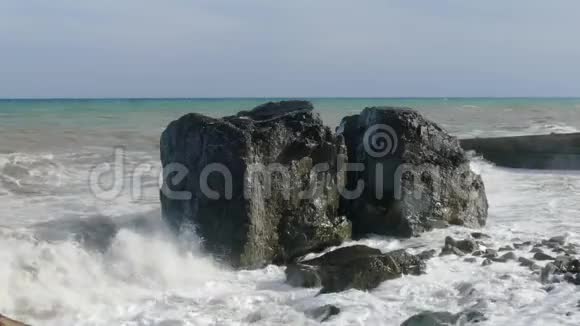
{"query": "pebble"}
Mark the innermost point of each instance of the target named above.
(506, 257)
(536, 250)
(506, 248)
(479, 235)
(526, 262)
(542, 256)
(427, 254)
(561, 240)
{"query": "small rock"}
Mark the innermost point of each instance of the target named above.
(567, 264)
(429, 318)
(490, 253)
(470, 260)
(522, 244)
(479, 235)
(465, 289)
(506, 257)
(466, 246)
(542, 256)
(548, 272)
(443, 318)
(486, 262)
(550, 244)
(470, 317)
(536, 250)
(526, 262)
(561, 240)
(427, 254)
(506, 248)
(569, 277)
(322, 314)
(451, 250)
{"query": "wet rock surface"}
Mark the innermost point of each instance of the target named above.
(506, 257)
(404, 155)
(305, 276)
(479, 235)
(542, 256)
(443, 318)
(427, 254)
(459, 248)
(324, 313)
(262, 216)
(356, 267)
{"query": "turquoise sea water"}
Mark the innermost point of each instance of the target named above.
(154, 113)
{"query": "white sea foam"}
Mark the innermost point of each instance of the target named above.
(149, 278)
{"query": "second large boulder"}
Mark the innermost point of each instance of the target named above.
(407, 175)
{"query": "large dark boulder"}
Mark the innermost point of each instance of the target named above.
(249, 177)
(415, 175)
(355, 267)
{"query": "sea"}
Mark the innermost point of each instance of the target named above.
(82, 245)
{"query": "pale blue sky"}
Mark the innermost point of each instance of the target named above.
(263, 48)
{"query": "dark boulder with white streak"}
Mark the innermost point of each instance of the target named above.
(355, 267)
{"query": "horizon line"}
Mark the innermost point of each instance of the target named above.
(279, 98)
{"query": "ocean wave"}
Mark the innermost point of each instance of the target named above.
(59, 281)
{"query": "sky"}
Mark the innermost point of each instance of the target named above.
(297, 48)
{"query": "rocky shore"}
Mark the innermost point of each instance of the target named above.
(273, 185)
